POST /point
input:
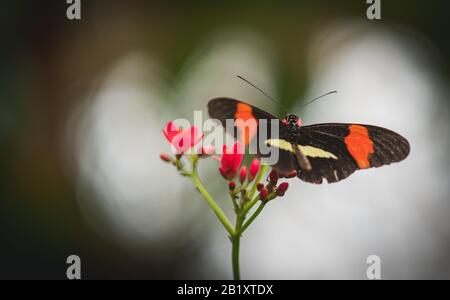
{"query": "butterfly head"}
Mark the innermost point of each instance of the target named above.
(292, 120)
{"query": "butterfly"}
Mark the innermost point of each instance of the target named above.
(330, 151)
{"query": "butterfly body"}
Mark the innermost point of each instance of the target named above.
(330, 151)
(292, 121)
(293, 126)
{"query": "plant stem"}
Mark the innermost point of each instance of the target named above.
(252, 218)
(235, 257)
(249, 205)
(235, 240)
(258, 178)
(240, 218)
(241, 211)
(214, 206)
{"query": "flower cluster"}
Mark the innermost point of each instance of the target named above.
(229, 168)
(271, 190)
(231, 161)
(181, 140)
(244, 182)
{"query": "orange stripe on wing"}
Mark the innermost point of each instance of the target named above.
(359, 145)
(246, 122)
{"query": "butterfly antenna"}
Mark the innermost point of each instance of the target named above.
(315, 99)
(264, 93)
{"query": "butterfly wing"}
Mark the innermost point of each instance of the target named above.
(227, 108)
(224, 109)
(333, 150)
(337, 150)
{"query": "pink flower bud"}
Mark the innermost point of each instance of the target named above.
(165, 157)
(273, 176)
(243, 174)
(282, 188)
(259, 186)
(254, 169)
(263, 194)
(232, 185)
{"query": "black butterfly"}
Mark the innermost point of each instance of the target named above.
(332, 151)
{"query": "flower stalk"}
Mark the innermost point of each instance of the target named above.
(245, 193)
(213, 204)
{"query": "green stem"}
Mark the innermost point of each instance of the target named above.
(235, 204)
(234, 232)
(252, 218)
(250, 205)
(235, 240)
(235, 257)
(258, 178)
(214, 206)
(240, 218)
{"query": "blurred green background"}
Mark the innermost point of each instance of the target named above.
(51, 68)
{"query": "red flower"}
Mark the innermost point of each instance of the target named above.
(171, 131)
(282, 188)
(243, 174)
(292, 174)
(181, 140)
(263, 194)
(273, 176)
(259, 186)
(254, 169)
(230, 161)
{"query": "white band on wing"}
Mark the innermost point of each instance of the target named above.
(309, 151)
